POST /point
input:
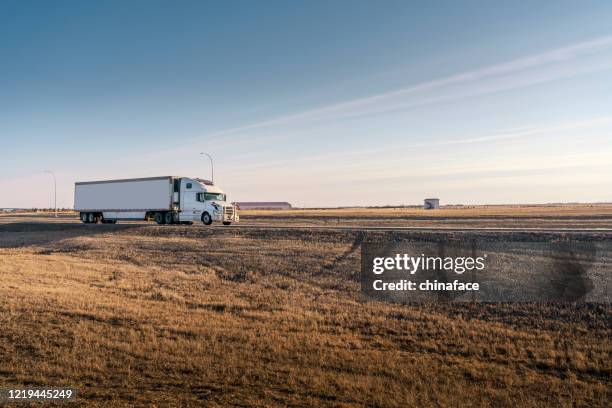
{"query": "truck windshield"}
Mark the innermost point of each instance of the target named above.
(211, 196)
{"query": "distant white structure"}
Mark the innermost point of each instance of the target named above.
(263, 205)
(431, 203)
(8, 210)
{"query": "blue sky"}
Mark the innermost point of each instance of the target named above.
(317, 103)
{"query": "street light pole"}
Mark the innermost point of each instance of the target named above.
(212, 169)
(54, 190)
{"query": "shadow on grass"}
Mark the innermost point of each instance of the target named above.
(24, 234)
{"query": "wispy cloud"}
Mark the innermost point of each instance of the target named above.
(556, 64)
(346, 157)
(534, 131)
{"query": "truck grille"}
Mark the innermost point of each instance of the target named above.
(228, 212)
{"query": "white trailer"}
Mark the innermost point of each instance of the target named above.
(167, 200)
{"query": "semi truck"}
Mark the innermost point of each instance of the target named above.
(167, 200)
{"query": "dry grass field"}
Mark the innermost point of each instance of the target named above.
(135, 315)
(507, 216)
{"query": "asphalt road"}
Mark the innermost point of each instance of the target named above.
(21, 225)
(424, 229)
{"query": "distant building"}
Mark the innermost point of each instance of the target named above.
(431, 203)
(8, 210)
(263, 205)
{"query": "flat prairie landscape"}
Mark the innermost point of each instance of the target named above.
(484, 216)
(145, 315)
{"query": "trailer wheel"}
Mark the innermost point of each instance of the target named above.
(168, 218)
(90, 218)
(84, 218)
(206, 218)
(159, 218)
(227, 222)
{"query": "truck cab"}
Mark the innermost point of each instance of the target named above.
(200, 200)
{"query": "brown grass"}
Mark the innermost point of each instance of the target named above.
(506, 216)
(189, 316)
(533, 210)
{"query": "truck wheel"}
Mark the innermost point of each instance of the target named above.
(84, 217)
(206, 218)
(227, 222)
(159, 218)
(168, 218)
(91, 218)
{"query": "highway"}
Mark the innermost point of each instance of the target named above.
(412, 228)
(30, 225)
